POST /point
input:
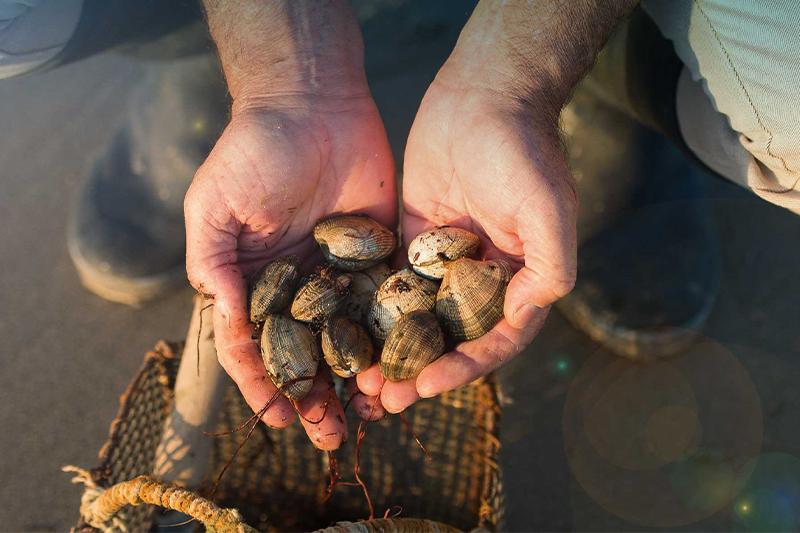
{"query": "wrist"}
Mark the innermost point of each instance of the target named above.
(535, 52)
(288, 50)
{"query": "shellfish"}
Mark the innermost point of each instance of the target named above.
(470, 299)
(362, 289)
(400, 293)
(414, 343)
(290, 352)
(272, 287)
(354, 242)
(321, 296)
(346, 346)
(428, 252)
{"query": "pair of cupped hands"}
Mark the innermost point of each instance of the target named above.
(475, 158)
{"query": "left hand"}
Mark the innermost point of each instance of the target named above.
(490, 163)
(277, 169)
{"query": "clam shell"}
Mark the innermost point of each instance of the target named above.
(470, 299)
(414, 343)
(289, 351)
(354, 242)
(346, 346)
(272, 287)
(320, 296)
(362, 289)
(428, 251)
(400, 293)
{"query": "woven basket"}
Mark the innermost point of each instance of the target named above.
(278, 480)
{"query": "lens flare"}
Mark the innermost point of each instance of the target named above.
(771, 499)
(667, 443)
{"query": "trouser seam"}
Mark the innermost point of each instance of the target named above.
(759, 119)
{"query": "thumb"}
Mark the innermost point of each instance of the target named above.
(211, 263)
(212, 234)
(528, 294)
(545, 225)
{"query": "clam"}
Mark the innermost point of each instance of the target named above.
(272, 287)
(414, 343)
(290, 352)
(354, 242)
(428, 252)
(320, 296)
(470, 299)
(400, 293)
(362, 289)
(346, 346)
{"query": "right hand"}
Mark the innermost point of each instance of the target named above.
(282, 164)
(479, 159)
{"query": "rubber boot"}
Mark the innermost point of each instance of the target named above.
(126, 233)
(648, 261)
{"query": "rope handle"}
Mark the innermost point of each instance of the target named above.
(390, 525)
(99, 506)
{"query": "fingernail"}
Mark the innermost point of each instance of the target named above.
(393, 409)
(523, 315)
(426, 392)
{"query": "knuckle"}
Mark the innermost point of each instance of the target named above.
(195, 279)
(563, 285)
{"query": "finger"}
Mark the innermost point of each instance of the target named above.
(211, 242)
(238, 352)
(239, 356)
(527, 295)
(370, 381)
(546, 226)
(472, 359)
(397, 396)
(368, 408)
(322, 415)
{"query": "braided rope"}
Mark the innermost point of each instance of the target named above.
(99, 506)
(390, 525)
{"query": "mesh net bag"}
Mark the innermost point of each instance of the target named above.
(278, 480)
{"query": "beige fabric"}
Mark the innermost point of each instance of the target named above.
(709, 135)
(739, 97)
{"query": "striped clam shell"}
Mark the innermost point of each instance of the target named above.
(346, 346)
(400, 293)
(289, 351)
(272, 287)
(354, 242)
(470, 299)
(429, 250)
(414, 343)
(362, 289)
(320, 296)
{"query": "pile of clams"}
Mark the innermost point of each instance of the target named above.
(355, 310)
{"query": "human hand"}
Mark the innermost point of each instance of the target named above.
(489, 162)
(273, 174)
(297, 149)
(484, 154)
